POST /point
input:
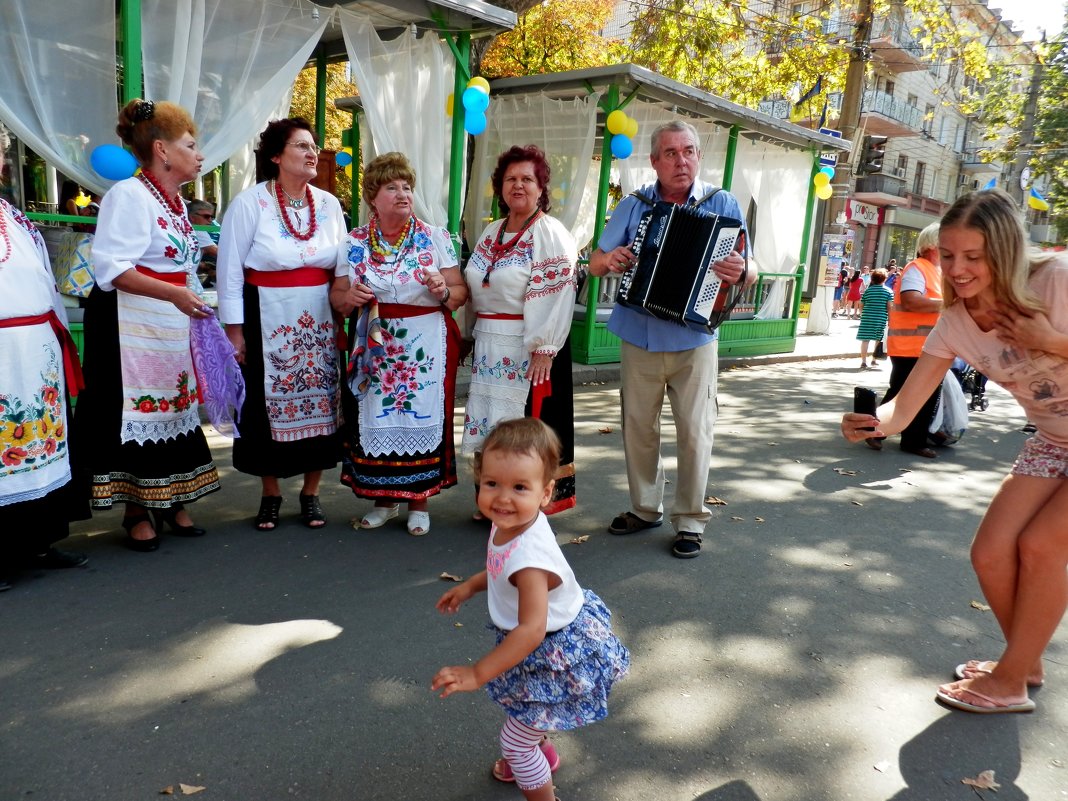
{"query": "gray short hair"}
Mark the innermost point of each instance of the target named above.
(199, 206)
(675, 126)
(928, 239)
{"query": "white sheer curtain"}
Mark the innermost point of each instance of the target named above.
(404, 84)
(565, 130)
(228, 62)
(776, 178)
(57, 80)
(636, 171)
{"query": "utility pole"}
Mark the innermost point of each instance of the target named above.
(1027, 135)
(848, 122)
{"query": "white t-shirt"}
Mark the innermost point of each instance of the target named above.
(535, 547)
(1038, 380)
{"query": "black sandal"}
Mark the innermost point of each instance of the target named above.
(267, 516)
(130, 522)
(311, 511)
(170, 517)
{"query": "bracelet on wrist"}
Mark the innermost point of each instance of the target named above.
(446, 296)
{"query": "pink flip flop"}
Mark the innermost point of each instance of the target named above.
(502, 771)
(1025, 705)
(982, 666)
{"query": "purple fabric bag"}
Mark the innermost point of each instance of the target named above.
(222, 387)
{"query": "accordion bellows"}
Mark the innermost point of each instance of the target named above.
(675, 247)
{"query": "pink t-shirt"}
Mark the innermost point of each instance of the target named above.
(1038, 380)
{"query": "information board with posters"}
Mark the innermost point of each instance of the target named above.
(836, 252)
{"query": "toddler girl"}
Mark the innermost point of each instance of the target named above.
(556, 657)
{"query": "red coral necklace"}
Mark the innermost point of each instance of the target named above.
(283, 213)
(499, 248)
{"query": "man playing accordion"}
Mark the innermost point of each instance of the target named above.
(659, 356)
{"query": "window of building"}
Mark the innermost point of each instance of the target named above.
(928, 119)
(889, 88)
(917, 180)
(902, 166)
(913, 101)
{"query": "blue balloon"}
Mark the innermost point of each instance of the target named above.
(112, 162)
(475, 123)
(343, 159)
(828, 171)
(621, 146)
(475, 100)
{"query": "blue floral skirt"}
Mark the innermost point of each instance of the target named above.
(565, 682)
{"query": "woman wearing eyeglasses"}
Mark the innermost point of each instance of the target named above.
(277, 259)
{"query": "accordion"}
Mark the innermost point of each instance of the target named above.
(675, 248)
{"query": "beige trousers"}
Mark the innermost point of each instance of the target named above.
(689, 378)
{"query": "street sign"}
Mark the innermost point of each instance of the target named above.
(829, 158)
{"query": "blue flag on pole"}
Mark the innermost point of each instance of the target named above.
(993, 182)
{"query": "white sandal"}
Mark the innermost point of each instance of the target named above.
(418, 523)
(379, 515)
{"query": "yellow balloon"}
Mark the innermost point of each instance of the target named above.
(479, 83)
(82, 201)
(821, 179)
(824, 192)
(448, 104)
(632, 127)
(616, 122)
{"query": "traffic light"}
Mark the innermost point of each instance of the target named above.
(872, 154)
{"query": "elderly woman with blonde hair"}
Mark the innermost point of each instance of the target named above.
(401, 285)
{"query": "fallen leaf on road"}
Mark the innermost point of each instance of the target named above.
(190, 789)
(605, 430)
(759, 519)
(843, 472)
(168, 790)
(980, 606)
(882, 767)
(773, 443)
(712, 500)
(984, 781)
(856, 503)
(737, 518)
(579, 540)
(458, 625)
(904, 470)
(450, 577)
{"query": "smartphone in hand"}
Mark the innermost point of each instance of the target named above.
(864, 402)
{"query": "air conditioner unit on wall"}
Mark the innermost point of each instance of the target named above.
(962, 180)
(897, 172)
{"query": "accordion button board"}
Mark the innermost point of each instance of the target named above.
(675, 248)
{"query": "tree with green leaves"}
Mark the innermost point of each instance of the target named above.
(1050, 154)
(554, 36)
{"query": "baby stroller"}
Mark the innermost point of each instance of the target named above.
(973, 383)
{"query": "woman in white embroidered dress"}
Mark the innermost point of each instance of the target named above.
(137, 423)
(522, 281)
(277, 257)
(38, 369)
(402, 283)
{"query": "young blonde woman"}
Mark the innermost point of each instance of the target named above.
(1004, 313)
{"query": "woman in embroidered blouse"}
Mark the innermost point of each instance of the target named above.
(522, 280)
(146, 450)
(400, 285)
(38, 369)
(277, 257)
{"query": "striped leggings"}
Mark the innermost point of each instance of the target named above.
(519, 746)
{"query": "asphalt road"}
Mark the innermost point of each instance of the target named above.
(795, 660)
